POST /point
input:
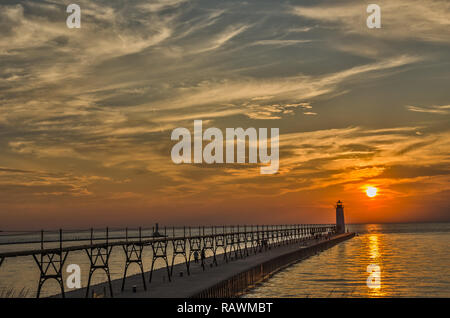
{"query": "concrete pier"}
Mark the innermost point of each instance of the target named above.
(225, 280)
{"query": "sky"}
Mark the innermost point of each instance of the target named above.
(87, 114)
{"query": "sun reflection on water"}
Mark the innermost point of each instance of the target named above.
(375, 255)
(373, 247)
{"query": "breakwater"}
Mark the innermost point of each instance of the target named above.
(248, 278)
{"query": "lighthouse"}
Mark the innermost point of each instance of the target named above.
(340, 223)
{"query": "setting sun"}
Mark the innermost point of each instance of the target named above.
(371, 191)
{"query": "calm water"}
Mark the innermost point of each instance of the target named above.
(414, 261)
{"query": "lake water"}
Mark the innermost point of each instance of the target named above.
(414, 261)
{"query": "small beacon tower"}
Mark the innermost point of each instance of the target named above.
(340, 223)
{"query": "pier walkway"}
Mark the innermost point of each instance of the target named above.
(236, 250)
(225, 280)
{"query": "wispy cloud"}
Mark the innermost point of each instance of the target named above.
(220, 39)
(440, 110)
(280, 42)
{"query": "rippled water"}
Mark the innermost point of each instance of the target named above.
(414, 261)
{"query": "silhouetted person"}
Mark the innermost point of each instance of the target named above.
(196, 257)
(203, 257)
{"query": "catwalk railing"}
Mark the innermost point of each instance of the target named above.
(231, 242)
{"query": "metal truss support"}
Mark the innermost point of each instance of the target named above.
(294, 237)
(50, 265)
(298, 233)
(208, 244)
(249, 241)
(233, 240)
(243, 240)
(99, 259)
(286, 234)
(261, 239)
(258, 246)
(229, 237)
(221, 242)
(160, 251)
(271, 235)
(179, 248)
(133, 254)
(238, 239)
(195, 245)
(277, 236)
